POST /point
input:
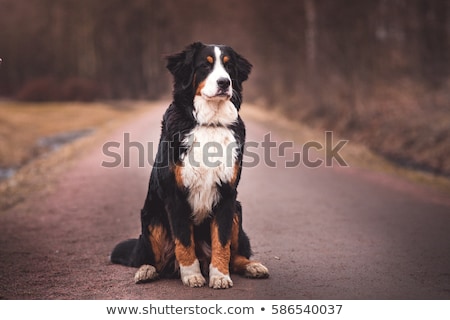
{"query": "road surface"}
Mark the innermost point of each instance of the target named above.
(324, 233)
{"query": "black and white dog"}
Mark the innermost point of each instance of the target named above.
(191, 220)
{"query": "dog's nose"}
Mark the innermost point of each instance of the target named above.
(223, 83)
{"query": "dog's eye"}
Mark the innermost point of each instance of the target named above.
(228, 66)
(205, 66)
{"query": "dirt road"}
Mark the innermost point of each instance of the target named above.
(324, 233)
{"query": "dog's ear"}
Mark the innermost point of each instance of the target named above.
(243, 68)
(181, 65)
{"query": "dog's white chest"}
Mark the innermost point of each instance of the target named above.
(208, 162)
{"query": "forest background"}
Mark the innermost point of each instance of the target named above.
(376, 71)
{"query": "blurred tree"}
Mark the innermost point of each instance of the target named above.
(352, 65)
(121, 44)
(311, 36)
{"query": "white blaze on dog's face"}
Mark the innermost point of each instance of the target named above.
(214, 88)
(217, 84)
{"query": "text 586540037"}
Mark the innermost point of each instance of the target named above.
(306, 309)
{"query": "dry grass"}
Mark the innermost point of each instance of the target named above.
(355, 153)
(401, 119)
(23, 124)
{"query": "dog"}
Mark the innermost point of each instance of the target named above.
(191, 220)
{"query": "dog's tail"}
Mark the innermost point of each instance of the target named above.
(130, 253)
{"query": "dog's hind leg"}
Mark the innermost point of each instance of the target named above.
(241, 251)
(158, 239)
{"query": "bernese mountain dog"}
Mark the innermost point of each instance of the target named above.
(191, 221)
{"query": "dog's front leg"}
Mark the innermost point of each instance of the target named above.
(183, 236)
(219, 274)
(190, 272)
(221, 226)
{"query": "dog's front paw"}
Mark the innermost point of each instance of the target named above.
(256, 270)
(145, 273)
(194, 280)
(191, 276)
(220, 282)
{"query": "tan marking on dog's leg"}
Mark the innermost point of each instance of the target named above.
(185, 254)
(219, 274)
(146, 273)
(157, 238)
(238, 262)
(235, 234)
(190, 272)
(249, 268)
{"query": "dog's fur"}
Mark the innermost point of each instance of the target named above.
(191, 218)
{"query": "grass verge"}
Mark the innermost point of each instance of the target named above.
(23, 125)
(354, 153)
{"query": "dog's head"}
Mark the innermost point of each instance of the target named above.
(214, 72)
